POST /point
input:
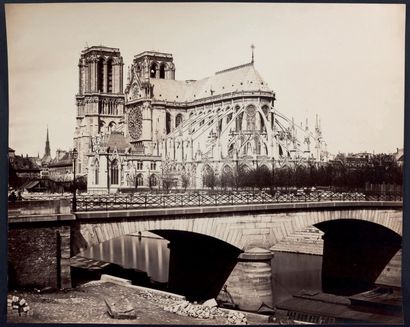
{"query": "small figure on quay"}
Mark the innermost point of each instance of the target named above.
(19, 196)
(12, 197)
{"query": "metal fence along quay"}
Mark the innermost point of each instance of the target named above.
(142, 200)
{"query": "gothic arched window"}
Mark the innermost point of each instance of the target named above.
(162, 71)
(109, 76)
(153, 181)
(96, 172)
(250, 118)
(100, 75)
(140, 180)
(178, 120)
(262, 123)
(257, 146)
(168, 122)
(114, 172)
(239, 119)
(88, 78)
(265, 110)
(153, 70)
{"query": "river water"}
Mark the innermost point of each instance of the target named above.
(291, 272)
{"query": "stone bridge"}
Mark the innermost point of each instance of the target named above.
(43, 237)
(243, 226)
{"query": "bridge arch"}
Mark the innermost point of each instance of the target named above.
(240, 225)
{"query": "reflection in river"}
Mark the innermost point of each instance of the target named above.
(291, 272)
(150, 255)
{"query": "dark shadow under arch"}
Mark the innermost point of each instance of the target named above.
(355, 252)
(199, 264)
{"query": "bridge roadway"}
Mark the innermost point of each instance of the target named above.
(49, 231)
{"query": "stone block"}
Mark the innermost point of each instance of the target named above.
(120, 308)
(115, 280)
(210, 303)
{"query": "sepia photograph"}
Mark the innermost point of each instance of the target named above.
(205, 163)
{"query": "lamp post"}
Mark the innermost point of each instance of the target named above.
(75, 156)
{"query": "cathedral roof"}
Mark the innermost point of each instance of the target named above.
(116, 140)
(235, 79)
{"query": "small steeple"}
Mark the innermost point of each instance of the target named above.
(47, 150)
(253, 59)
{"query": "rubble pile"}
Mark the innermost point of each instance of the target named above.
(18, 306)
(202, 311)
(159, 298)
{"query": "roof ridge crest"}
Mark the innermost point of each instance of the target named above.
(234, 68)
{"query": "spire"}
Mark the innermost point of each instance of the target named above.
(253, 59)
(47, 150)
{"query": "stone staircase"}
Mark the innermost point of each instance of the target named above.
(306, 241)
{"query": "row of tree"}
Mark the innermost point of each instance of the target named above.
(306, 176)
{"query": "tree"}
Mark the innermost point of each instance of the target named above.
(209, 179)
(227, 179)
(185, 179)
(167, 176)
(262, 177)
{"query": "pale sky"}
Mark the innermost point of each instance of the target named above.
(344, 62)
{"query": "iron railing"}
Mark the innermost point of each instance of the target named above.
(145, 200)
(199, 199)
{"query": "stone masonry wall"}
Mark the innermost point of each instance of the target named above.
(34, 257)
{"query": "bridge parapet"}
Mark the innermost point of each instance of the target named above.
(40, 210)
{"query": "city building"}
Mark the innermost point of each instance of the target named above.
(399, 156)
(22, 169)
(159, 128)
(61, 167)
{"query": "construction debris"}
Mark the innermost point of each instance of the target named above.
(185, 308)
(18, 307)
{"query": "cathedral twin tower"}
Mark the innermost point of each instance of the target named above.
(158, 125)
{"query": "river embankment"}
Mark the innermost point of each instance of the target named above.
(87, 304)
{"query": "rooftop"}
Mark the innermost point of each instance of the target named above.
(100, 48)
(116, 140)
(153, 54)
(236, 79)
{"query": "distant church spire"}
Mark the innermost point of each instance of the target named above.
(47, 150)
(252, 47)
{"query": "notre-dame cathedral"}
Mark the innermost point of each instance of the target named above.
(159, 126)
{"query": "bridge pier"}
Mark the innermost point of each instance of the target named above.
(39, 257)
(250, 283)
(39, 241)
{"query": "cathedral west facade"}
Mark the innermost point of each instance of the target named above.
(159, 128)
